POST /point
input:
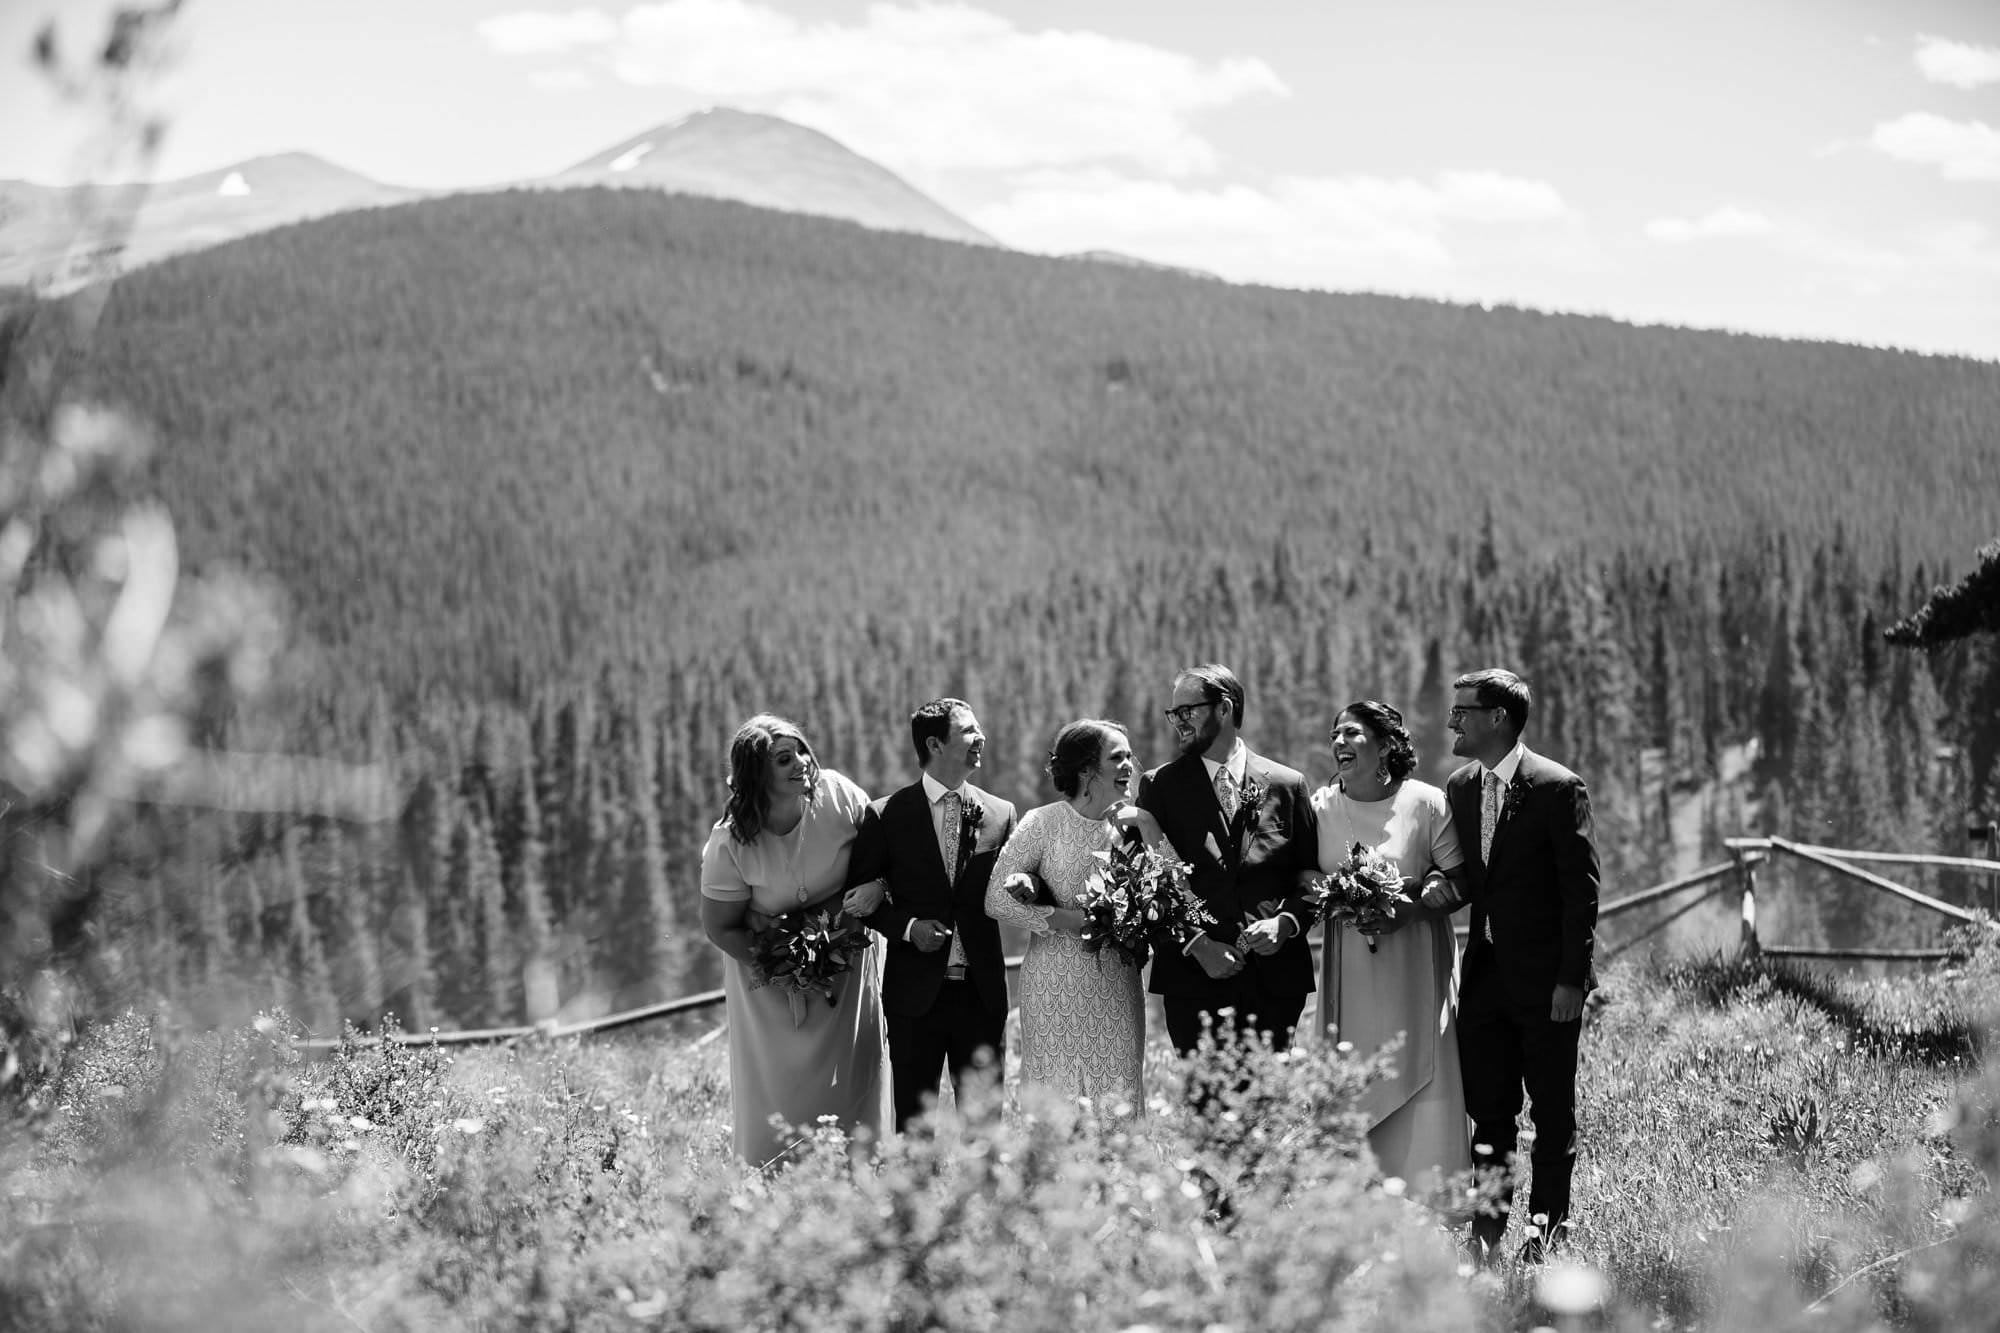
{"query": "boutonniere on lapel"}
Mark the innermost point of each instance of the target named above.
(973, 815)
(1249, 797)
(1511, 798)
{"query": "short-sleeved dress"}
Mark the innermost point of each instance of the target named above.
(831, 1063)
(1083, 1016)
(1409, 985)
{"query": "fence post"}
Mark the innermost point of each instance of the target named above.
(1978, 831)
(1746, 871)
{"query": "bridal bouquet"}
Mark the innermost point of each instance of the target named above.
(1366, 889)
(1137, 898)
(804, 952)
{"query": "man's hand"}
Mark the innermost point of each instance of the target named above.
(863, 899)
(1020, 886)
(1440, 894)
(1265, 937)
(1219, 960)
(929, 936)
(1567, 1006)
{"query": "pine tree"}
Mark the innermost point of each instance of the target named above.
(305, 960)
(540, 982)
(499, 970)
(646, 919)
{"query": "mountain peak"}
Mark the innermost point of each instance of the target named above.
(774, 163)
(39, 234)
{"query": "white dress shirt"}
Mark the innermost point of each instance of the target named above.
(1237, 761)
(935, 792)
(1509, 765)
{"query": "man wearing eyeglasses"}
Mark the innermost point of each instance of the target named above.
(1531, 875)
(1245, 826)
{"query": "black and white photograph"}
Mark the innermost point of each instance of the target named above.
(889, 665)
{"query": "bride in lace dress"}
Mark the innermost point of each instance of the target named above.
(1083, 1016)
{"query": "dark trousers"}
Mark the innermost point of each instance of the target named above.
(1506, 1050)
(1251, 1010)
(951, 1035)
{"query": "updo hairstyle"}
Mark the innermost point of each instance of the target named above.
(1078, 748)
(1385, 724)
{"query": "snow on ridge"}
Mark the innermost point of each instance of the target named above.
(233, 186)
(629, 159)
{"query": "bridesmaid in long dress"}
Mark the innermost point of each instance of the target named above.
(1083, 1016)
(1409, 984)
(782, 844)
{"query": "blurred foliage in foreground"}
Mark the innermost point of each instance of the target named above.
(1762, 1148)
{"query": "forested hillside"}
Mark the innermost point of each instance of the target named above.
(563, 486)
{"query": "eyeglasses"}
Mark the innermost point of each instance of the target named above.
(1181, 713)
(1460, 710)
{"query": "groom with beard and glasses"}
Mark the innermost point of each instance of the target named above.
(1246, 828)
(1531, 876)
(933, 843)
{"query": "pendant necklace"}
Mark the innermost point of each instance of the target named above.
(797, 839)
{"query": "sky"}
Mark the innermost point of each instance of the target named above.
(1807, 168)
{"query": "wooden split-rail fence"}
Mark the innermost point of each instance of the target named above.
(1739, 874)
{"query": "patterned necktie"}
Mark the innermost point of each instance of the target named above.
(1225, 794)
(954, 819)
(954, 827)
(1489, 815)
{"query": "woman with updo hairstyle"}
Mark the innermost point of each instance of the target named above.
(781, 846)
(1083, 1016)
(1400, 977)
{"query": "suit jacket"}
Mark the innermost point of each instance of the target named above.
(1534, 903)
(896, 842)
(1260, 855)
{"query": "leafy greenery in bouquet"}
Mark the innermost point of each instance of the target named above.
(1366, 889)
(806, 953)
(1139, 897)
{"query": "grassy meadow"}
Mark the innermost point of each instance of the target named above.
(1763, 1148)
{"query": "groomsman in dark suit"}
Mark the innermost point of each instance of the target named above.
(1524, 822)
(1245, 826)
(933, 843)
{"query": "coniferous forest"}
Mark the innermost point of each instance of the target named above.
(560, 487)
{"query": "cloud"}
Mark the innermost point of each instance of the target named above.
(1727, 221)
(1961, 150)
(1349, 231)
(1957, 63)
(561, 80)
(930, 87)
(537, 33)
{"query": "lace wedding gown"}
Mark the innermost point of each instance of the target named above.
(1083, 1016)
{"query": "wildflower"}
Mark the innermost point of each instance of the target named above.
(1571, 1289)
(468, 1125)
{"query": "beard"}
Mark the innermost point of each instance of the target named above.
(1203, 740)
